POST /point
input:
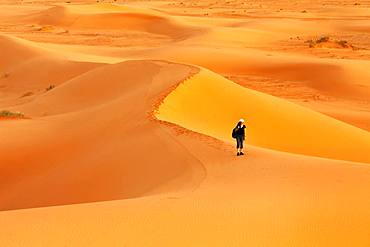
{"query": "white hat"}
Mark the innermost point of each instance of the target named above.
(241, 120)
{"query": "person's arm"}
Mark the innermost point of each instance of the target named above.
(244, 131)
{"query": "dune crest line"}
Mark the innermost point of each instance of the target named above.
(210, 104)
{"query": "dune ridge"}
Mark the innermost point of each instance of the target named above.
(338, 78)
(105, 162)
(26, 69)
(272, 122)
(15, 50)
(106, 16)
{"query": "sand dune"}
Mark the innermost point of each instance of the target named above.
(273, 199)
(272, 123)
(14, 51)
(335, 78)
(90, 155)
(29, 70)
(126, 139)
(98, 87)
(106, 16)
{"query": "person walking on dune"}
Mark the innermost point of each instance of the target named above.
(239, 135)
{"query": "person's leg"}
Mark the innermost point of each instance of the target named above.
(237, 145)
(241, 146)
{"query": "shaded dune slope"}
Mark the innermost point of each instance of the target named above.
(14, 51)
(25, 68)
(102, 147)
(211, 104)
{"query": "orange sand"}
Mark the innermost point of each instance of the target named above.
(129, 109)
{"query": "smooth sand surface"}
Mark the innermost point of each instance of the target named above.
(271, 119)
(128, 111)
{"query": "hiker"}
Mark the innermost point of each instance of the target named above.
(239, 135)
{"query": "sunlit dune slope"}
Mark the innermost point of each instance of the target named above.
(210, 104)
(112, 17)
(103, 144)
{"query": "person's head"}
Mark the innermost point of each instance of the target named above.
(241, 122)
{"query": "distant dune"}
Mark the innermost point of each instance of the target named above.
(29, 69)
(107, 16)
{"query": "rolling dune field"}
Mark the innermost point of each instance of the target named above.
(116, 120)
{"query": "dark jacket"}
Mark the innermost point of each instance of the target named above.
(240, 130)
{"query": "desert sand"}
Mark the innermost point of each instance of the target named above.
(123, 111)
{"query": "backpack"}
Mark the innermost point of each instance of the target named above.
(233, 134)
